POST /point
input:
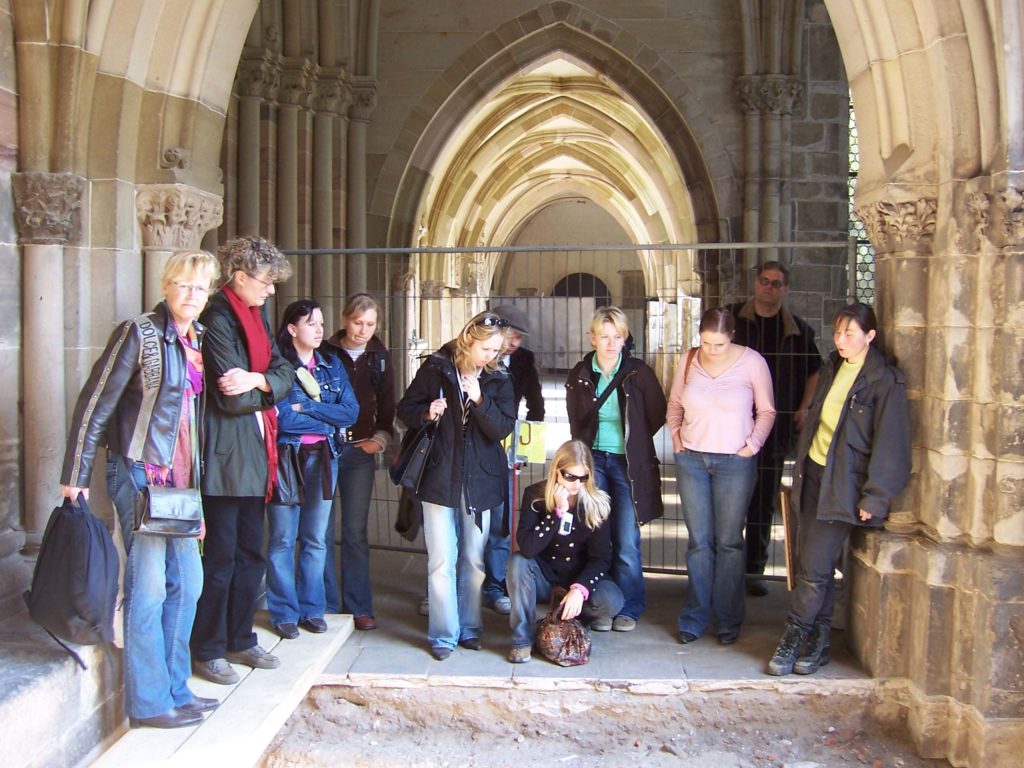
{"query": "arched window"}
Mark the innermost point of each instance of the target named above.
(583, 284)
(863, 268)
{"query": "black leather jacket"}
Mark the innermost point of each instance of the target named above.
(132, 400)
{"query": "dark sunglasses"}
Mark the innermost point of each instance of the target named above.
(570, 477)
(493, 321)
(776, 284)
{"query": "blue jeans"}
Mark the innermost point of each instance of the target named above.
(356, 470)
(527, 585)
(627, 561)
(455, 572)
(297, 594)
(496, 550)
(715, 490)
(162, 581)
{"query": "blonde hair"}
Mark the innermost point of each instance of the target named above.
(202, 264)
(594, 505)
(612, 315)
(358, 304)
(482, 327)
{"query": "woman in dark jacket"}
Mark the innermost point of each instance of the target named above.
(142, 400)
(465, 390)
(853, 459)
(562, 541)
(621, 436)
(368, 364)
(246, 376)
(312, 422)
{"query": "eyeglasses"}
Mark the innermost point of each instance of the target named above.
(493, 321)
(570, 477)
(186, 288)
(765, 282)
(266, 283)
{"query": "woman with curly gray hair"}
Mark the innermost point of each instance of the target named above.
(246, 376)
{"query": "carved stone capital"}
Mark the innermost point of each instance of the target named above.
(259, 77)
(983, 214)
(175, 216)
(48, 207)
(332, 93)
(769, 94)
(364, 101)
(297, 79)
(903, 226)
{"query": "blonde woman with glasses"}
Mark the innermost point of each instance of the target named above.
(563, 542)
(464, 389)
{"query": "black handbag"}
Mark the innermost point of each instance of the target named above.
(407, 467)
(170, 512)
(290, 482)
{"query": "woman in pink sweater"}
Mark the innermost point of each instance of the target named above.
(720, 412)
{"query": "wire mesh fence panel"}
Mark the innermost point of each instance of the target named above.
(428, 295)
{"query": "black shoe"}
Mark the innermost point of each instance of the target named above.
(818, 652)
(175, 717)
(199, 704)
(757, 588)
(440, 652)
(728, 638)
(472, 643)
(790, 648)
(314, 624)
(687, 637)
(287, 630)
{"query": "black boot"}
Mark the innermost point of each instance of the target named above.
(818, 653)
(790, 647)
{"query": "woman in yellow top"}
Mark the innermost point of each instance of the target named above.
(853, 458)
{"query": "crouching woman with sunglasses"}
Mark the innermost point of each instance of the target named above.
(562, 541)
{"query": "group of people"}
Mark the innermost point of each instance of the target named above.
(200, 393)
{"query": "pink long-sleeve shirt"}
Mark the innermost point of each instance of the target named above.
(717, 415)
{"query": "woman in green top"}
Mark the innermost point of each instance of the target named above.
(853, 458)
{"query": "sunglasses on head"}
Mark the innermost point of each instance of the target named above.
(570, 477)
(776, 284)
(493, 321)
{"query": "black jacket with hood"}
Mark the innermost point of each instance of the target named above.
(868, 461)
(466, 459)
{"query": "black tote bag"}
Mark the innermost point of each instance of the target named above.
(410, 461)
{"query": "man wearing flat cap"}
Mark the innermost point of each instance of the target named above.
(522, 367)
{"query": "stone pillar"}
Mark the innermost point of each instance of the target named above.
(938, 594)
(296, 92)
(171, 216)
(48, 207)
(364, 100)
(330, 92)
(258, 82)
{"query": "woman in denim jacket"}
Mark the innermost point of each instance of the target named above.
(312, 421)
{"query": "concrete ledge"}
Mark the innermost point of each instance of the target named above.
(250, 714)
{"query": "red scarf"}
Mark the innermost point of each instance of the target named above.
(257, 344)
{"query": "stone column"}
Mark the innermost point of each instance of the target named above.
(171, 216)
(330, 92)
(938, 593)
(258, 82)
(296, 92)
(364, 100)
(48, 208)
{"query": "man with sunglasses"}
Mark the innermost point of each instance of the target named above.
(786, 342)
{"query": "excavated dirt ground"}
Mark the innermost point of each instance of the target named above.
(441, 726)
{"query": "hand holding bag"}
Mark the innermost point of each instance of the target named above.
(407, 467)
(563, 641)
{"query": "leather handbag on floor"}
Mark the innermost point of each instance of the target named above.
(563, 641)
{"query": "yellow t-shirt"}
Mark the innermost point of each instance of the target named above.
(832, 409)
